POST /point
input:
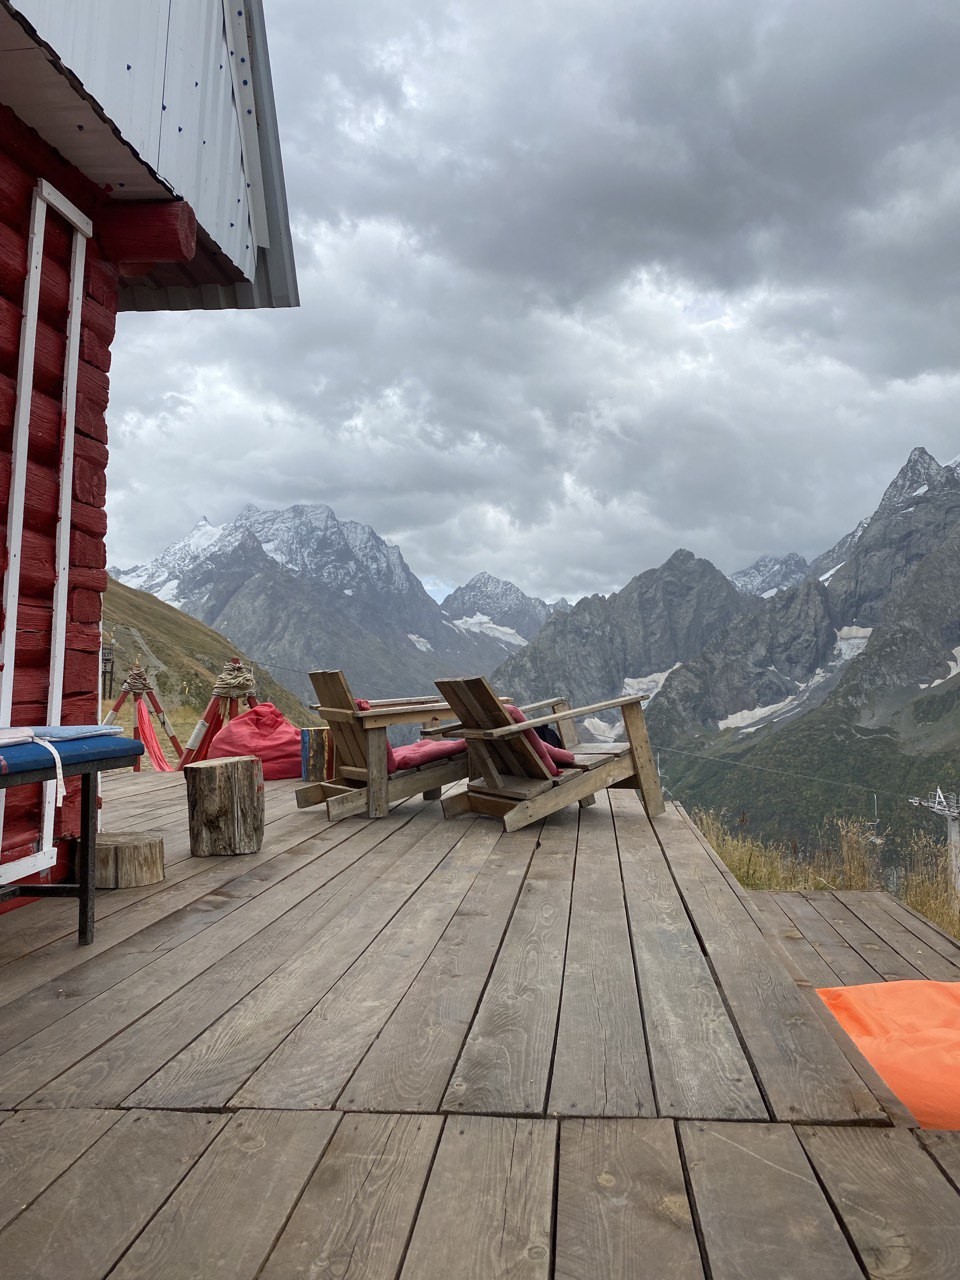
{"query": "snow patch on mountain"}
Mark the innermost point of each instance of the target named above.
(503, 603)
(423, 645)
(602, 731)
(482, 625)
(851, 641)
(741, 719)
(168, 593)
(163, 573)
(650, 684)
(954, 668)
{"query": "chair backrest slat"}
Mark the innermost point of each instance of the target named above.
(478, 707)
(349, 739)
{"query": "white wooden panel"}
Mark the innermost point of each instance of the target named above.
(117, 49)
(19, 868)
(18, 460)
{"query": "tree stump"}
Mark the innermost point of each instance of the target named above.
(129, 858)
(225, 806)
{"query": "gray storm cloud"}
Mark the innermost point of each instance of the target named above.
(581, 283)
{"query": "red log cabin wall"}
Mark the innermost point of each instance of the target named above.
(24, 160)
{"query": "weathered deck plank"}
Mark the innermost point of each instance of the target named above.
(761, 1210)
(898, 931)
(409, 1064)
(776, 924)
(226, 1215)
(126, 1060)
(884, 958)
(213, 1066)
(504, 1068)
(81, 1224)
(803, 1073)
(356, 1214)
(36, 1148)
(487, 1210)
(846, 962)
(945, 1149)
(699, 1067)
(901, 1213)
(315, 1061)
(600, 1063)
(207, 904)
(57, 1048)
(622, 1208)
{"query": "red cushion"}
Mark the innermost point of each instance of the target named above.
(551, 756)
(423, 752)
(417, 753)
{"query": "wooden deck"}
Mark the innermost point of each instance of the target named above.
(427, 1049)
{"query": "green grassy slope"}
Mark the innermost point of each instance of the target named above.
(789, 781)
(182, 656)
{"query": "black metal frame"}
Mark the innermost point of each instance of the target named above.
(85, 853)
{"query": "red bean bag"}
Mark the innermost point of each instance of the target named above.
(265, 732)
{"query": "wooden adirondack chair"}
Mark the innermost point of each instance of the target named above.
(509, 780)
(361, 782)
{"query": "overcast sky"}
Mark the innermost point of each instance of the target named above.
(582, 282)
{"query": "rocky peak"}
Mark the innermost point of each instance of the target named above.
(661, 617)
(769, 574)
(919, 475)
(503, 603)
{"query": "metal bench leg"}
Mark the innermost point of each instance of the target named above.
(87, 856)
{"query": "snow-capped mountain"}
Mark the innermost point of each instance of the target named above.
(161, 577)
(300, 589)
(311, 540)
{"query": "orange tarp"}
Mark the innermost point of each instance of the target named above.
(910, 1033)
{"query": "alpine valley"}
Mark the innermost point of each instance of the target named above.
(788, 693)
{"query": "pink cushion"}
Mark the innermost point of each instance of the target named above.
(551, 756)
(423, 752)
(417, 753)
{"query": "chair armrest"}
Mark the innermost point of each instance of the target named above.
(510, 730)
(556, 704)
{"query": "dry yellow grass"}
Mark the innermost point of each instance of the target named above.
(850, 862)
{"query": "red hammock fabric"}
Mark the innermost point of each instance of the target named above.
(148, 734)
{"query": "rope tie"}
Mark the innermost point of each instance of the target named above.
(235, 681)
(137, 680)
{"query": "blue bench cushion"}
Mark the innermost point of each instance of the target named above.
(25, 757)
